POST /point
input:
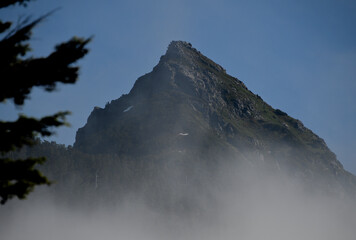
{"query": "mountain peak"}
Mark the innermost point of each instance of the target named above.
(179, 48)
(189, 108)
(183, 53)
(179, 45)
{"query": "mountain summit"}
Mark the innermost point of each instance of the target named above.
(189, 109)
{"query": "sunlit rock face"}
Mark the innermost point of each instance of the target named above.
(188, 109)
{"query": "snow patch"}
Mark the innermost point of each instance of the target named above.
(183, 134)
(128, 109)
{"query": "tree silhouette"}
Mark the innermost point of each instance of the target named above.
(19, 74)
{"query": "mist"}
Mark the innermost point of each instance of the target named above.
(236, 203)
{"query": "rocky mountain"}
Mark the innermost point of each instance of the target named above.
(189, 153)
(189, 109)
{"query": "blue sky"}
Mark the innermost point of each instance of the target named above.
(299, 56)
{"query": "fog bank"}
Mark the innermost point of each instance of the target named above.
(243, 205)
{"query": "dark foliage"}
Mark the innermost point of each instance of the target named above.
(5, 3)
(19, 74)
(280, 112)
(22, 175)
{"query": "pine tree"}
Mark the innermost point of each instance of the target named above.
(18, 75)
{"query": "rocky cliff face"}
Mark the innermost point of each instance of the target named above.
(188, 107)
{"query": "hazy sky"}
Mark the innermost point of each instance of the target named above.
(299, 56)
